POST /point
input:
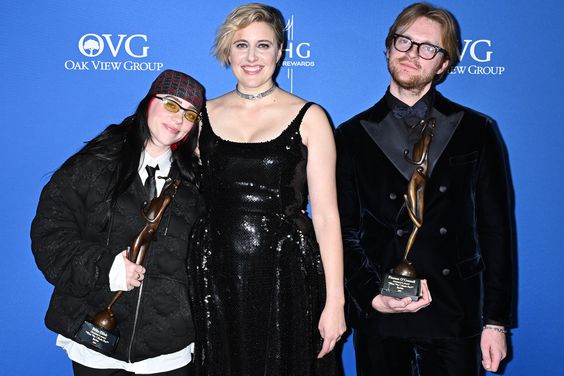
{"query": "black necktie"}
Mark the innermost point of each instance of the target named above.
(150, 182)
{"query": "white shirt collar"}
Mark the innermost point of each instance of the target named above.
(164, 162)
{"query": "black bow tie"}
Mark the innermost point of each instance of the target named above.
(418, 111)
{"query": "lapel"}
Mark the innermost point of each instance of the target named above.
(383, 130)
(446, 125)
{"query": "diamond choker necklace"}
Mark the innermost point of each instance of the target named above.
(253, 97)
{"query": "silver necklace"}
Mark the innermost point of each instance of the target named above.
(253, 97)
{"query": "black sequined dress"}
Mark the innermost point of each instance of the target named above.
(258, 284)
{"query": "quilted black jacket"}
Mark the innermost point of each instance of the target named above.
(75, 238)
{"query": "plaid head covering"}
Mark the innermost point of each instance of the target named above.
(180, 85)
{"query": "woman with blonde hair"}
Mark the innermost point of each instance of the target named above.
(268, 281)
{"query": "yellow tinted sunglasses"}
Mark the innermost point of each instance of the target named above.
(172, 106)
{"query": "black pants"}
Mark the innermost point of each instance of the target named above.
(376, 356)
(80, 370)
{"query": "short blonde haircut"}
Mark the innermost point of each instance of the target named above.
(449, 39)
(242, 17)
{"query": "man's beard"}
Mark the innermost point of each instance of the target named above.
(415, 81)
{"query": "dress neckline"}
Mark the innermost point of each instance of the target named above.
(298, 116)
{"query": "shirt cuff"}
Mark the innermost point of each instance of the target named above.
(118, 282)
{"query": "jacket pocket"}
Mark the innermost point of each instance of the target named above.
(470, 267)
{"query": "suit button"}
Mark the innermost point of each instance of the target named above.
(442, 231)
(400, 232)
(443, 188)
(393, 196)
(446, 272)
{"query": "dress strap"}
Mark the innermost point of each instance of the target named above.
(299, 117)
(205, 118)
(206, 128)
(293, 128)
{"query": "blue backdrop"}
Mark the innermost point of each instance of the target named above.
(69, 68)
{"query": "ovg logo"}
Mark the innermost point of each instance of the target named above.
(476, 59)
(297, 53)
(117, 46)
(92, 45)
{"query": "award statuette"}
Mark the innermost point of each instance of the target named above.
(403, 281)
(99, 333)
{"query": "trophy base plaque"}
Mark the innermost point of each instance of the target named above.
(97, 338)
(400, 287)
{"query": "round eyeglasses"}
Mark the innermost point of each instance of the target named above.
(172, 106)
(425, 51)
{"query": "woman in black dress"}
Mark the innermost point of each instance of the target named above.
(268, 296)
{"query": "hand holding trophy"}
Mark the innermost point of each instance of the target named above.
(99, 332)
(403, 281)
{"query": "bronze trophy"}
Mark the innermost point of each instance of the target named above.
(403, 281)
(99, 333)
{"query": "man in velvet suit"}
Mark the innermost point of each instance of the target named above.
(463, 251)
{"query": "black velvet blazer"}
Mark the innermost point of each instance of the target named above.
(464, 248)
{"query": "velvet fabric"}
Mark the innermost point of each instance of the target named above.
(464, 248)
(391, 356)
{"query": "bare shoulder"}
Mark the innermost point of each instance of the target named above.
(315, 118)
(289, 101)
(316, 114)
(315, 125)
(216, 104)
(294, 104)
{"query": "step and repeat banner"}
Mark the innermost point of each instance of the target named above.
(70, 68)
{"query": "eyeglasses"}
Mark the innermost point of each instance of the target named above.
(425, 51)
(172, 106)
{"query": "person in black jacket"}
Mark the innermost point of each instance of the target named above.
(464, 246)
(87, 216)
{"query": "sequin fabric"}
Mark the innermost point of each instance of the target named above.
(258, 284)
